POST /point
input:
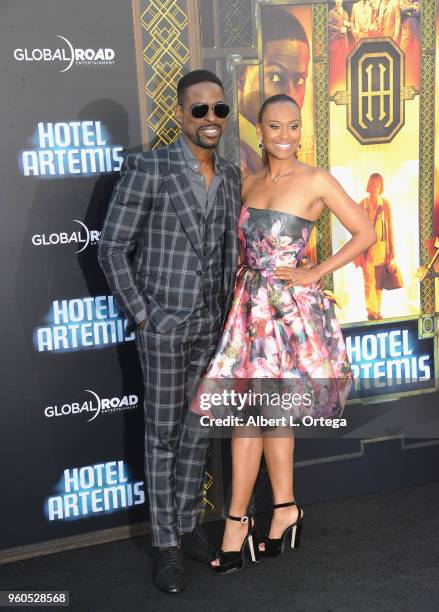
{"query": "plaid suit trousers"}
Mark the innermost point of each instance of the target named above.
(172, 365)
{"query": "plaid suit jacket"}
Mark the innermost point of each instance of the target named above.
(151, 247)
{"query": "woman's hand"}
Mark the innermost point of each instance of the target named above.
(303, 275)
(306, 264)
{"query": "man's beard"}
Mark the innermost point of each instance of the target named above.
(206, 145)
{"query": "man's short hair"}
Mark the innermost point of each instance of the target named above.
(193, 78)
(281, 25)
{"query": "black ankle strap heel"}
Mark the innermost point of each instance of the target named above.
(241, 519)
(291, 535)
(233, 561)
(285, 505)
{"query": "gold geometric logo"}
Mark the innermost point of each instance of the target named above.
(376, 94)
(368, 64)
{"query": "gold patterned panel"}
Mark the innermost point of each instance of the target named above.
(321, 113)
(212, 501)
(208, 482)
(165, 54)
(426, 148)
(234, 23)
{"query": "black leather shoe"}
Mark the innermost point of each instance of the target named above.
(169, 572)
(196, 545)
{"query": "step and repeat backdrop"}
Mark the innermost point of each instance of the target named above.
(71, 417)
(85, 83)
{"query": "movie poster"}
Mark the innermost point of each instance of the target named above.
(374, 66)
(285, 58)
(284, 65)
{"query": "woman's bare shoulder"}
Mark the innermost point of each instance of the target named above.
(307, 172)
(322, 179)
(320, 173)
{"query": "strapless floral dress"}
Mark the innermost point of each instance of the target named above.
(278, 333)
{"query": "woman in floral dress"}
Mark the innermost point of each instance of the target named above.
(281, 326)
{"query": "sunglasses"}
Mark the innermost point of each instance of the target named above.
(221, 110)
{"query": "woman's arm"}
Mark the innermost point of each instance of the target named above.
(350, 215)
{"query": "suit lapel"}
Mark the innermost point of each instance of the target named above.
(182, 197)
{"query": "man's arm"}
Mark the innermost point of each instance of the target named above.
(126, 213)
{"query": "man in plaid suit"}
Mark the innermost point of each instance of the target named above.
(169, 252)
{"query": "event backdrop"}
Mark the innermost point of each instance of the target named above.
(71, 417)
(84, 83)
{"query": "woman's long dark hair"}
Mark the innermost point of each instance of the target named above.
(268, 102)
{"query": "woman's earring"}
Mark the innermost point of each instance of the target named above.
(261, 144)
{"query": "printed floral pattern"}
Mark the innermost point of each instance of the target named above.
(278, 333)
